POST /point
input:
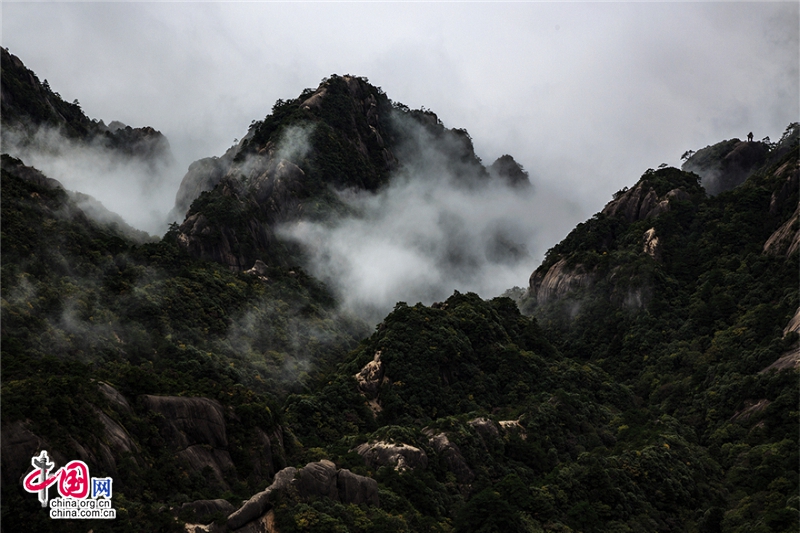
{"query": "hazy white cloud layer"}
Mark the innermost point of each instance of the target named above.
(586, 96)
(438, 227)
(142, 192)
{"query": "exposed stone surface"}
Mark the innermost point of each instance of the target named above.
(189, 421)
(513, 426)
(259, 269)
(19, 444)
(559, 280)
(114, 396)
(485, 427)
(727, 164)
(356, 489)
(786, 239)
(451, 455)
(369, 380)
(794, 323)
(751, 409)
(203, 175)
(402, 456)
(200, 456)
(209, 507)
(788, 361)
(317, 479)
(195, 429)
(651, 245)
(119, 442)
(642, 202)
(263, 524)
(782, 198)
(259, 503)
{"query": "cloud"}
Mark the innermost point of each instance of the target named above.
(437, 227)
(139, 189)
(585, 95)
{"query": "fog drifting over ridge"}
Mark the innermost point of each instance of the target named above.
(437, 227)
(586, 95)
(141, 191)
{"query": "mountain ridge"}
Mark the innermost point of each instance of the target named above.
(655, 391)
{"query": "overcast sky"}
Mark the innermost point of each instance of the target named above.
(586, 96)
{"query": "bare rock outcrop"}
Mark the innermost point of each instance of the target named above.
(19, 444)
(369, 379)
(642, 202)
(195, 429)
(727, 164)
(787, 361)
(485, 428)
(115, 397)
(451, 455)
(558, 280)
(320, 479)
(119, 442)
(209, 507)
(751, 409)
(513, 426)
(402, 456)
(260, 503)
(203, 175)
(786, 239)
(651, 245)
(356, 489)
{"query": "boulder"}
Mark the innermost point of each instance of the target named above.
(369, 378)
(189, 421)
(513, 426)
(317, 479)
(209, 507)
(260, 503)
(452, 457)
(651, 245)
(19, 445)
(559, 280)
(195, 429)
(115, 397)
(356, 489)
(402, 456)
(485, 427)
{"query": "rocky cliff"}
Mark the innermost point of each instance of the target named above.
(587, 253)
(30, 107)
(345, 134)
(727, 164)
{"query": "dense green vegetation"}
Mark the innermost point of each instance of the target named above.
(638, 402)
(82, 304)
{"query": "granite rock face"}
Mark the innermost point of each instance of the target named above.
(451, 455)
(195, 429)
(319, 479)
(559, 280)
(402, 456)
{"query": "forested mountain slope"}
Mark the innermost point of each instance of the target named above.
(649, 382)
(346, 134)
(33, 112)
